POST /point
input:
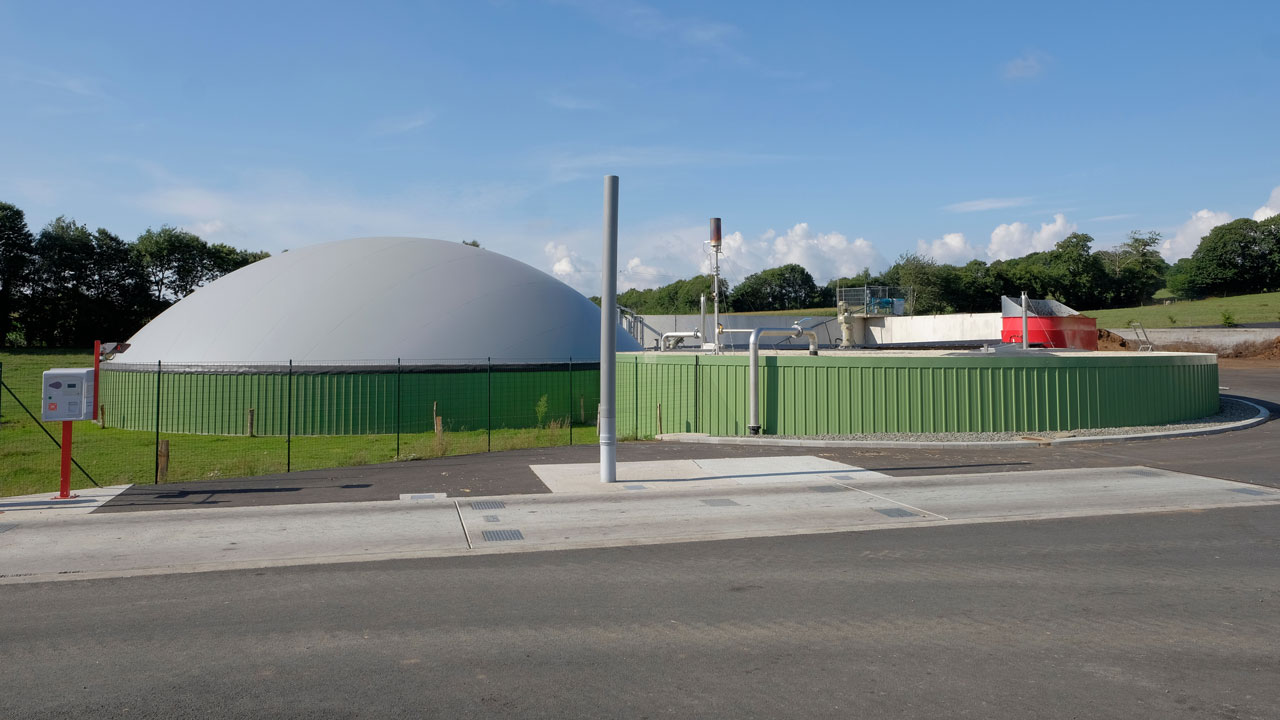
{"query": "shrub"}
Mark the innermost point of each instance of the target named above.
(1228, 320)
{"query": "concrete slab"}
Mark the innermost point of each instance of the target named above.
(43, 504)
(677, 474)
(1064, 493)
(175, 541)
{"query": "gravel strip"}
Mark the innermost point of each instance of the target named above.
(1231, 411)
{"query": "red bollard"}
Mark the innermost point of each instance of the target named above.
(65, 492)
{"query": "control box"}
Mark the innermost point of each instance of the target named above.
(67, 394)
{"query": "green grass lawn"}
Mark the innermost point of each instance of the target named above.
(1260, 307)
(30, 461)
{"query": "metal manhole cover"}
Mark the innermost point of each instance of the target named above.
(488, 505)
(501, 535)
(895, 512)
(719, 502)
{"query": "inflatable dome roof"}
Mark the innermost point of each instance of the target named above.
(377, 299)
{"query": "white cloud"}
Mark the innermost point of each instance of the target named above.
(1026, 66)
(1013, 240)
(824, 255)
(987, 204)
(950, 248)
(1188, 235)
(1272, 207)
(570, 268)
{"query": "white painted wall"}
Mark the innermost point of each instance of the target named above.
(961, 327)
(933, 328)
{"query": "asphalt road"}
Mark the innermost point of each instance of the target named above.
(1150, 616)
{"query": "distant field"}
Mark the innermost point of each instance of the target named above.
(1257, 308)
(29, 460)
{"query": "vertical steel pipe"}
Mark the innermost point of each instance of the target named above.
(608, 333)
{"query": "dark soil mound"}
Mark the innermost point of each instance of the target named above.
(1108, 340)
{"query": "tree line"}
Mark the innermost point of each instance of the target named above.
(1242, 256)
(68, 286)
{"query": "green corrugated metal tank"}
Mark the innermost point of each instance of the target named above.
(833, 393)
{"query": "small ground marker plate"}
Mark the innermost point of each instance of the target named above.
(634, 487)
(829, 488)
(719, 502)
(488, 505)
(491, 518)
(423, 496)
(895, 512)
(4, 527)
(501, 535)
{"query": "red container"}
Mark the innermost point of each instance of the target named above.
(1073, 331)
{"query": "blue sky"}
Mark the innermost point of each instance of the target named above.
(837, 135)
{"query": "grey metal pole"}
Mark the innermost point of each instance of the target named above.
(702, 318)
(608, 334)
(715, 284)
(1024, 320)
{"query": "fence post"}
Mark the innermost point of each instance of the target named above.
(636, 395)
(697, 397)
(570, 407)
(288, 421)
(488, 396)
(159, 371)
(397, 407)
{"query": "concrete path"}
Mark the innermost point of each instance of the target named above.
(732, 501)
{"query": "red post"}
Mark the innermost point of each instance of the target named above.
(65, 493)
(97, 356)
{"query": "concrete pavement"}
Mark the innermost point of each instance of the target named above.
(660, 504)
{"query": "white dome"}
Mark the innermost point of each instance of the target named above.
(377, 299)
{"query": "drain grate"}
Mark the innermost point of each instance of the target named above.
(1250, 491)
(719, 502)
(895, 512)
(488, 505)
(502, 535)
(829, 488)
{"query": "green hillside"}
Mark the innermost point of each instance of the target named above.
(1257, 308)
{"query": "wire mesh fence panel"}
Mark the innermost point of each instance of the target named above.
(444, 409)
(177, 422)
(30, 454)
(216, 421)
(584, 402)
(530, 404)
(626, 396)
(342, 416)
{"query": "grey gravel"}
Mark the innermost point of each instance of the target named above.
(1230, 411)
